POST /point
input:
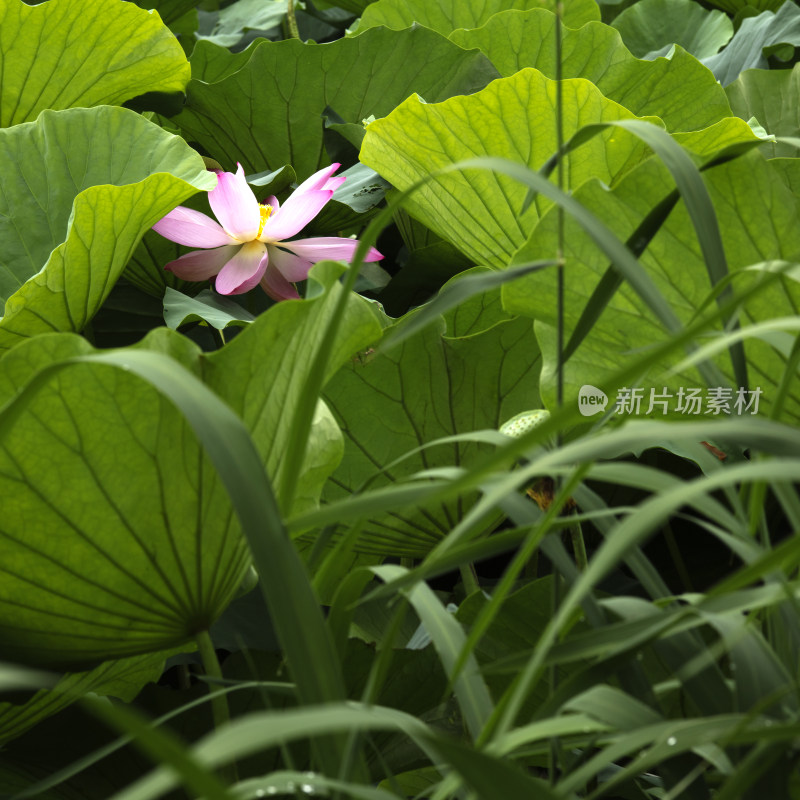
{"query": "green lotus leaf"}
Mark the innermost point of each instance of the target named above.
(773, 98)
(472, 372)
(80, 189)
(717, 137)
(353, 6)
(446, 16)
(207, 306)
(747, 48)
(211, 63)
(118, 537)
(651, 27)
(63, 54)
(145, 269)
(245, 15)
(122, 678)
(269, 111)
(515, 630)
(759, 221)
(735, 6)
(679, 90)
(513, 118)
(281, 348)
(120, 540)
(169, 10)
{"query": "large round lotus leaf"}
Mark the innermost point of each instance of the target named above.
(759, 220)
(485, 370)
(79, 189)
(653, 26)
(513, 118)
(63, 54)
(122, 678)
(446, 16)
(117, 535)
(752, 42)
(678, 90)
(265, 107)
(772, 96)
(117, 538)
(734, 6)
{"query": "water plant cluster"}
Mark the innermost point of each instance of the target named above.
(399, 399)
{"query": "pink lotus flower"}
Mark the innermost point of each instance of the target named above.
(247, 246)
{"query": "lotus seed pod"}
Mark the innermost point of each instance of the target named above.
(524, 422)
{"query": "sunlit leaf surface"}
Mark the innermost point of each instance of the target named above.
(64, 54)
(478, 211)
(446, 16)
(80, 188)
(679, 90)
(758, 216)
(118, 537)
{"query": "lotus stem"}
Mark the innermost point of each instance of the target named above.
(294, 32)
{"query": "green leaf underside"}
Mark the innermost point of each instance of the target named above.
(654, 25)
(245, 15)
(81, 188)
(445, 16)
(758, 217)
(268, 111)
(207, 306)
(515, 628)
(773, 98)
(734, 6)
(145, 269)
(122, 678)
(680, 90)
(430, 387)
(62, 54)
(476, 210)
(746, 49)
(118, 536)
(128, 565)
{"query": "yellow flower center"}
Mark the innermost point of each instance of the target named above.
(265, 212)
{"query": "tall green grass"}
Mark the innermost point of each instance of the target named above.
(643, 695)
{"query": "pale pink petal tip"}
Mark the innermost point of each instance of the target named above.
(334, 183)
(191, 228)
(294, 215)
(331, 247)
(318, 180)
(235, 205)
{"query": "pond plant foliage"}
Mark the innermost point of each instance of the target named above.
(455, 452)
